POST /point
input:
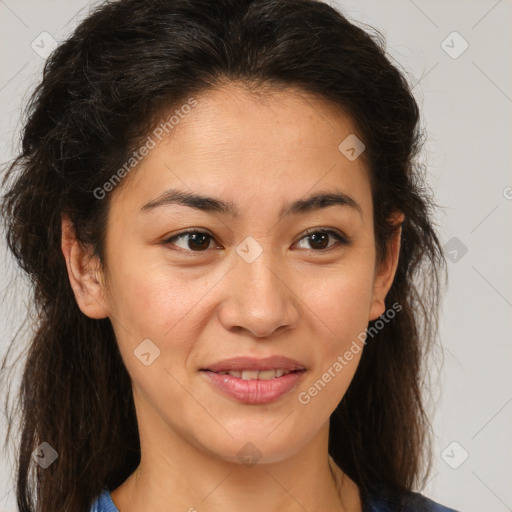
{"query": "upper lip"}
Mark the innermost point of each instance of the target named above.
(255, 364)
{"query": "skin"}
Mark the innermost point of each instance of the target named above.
(205, 305)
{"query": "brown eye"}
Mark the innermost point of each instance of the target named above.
(198, 241)
(319, 239)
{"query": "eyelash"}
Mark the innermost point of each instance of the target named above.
(341, 239)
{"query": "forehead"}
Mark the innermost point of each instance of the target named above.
(242, 147)
(287, 122)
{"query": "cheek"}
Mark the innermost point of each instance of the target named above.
(155, 315)
(340, 300)
(148, 306)
(339, 308)
(152, 300)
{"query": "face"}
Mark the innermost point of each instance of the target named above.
(256, 278)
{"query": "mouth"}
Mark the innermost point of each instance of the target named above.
(254, 381)
(256, 374)
(254, 387)
(250, 366)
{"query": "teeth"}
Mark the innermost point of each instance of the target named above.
(266, 375)
(232, 372)
(252, 374)
(249, 375)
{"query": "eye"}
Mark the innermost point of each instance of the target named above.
(199, 241)
(319, 239)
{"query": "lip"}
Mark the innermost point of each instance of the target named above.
(253, 391)
(255, 364)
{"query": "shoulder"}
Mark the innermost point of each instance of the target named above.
(103, 503)
(388, 501)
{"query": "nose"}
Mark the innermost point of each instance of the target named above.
(259, 298)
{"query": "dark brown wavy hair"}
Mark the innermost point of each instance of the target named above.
(102, 91)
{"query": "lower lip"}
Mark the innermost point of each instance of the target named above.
(254, 391)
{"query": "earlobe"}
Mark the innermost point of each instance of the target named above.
(84, 273)
(386, 272)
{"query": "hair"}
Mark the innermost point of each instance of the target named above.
(103, 89)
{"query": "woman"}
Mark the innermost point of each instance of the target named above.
(219, 207)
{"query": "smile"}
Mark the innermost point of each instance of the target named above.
(255, 374)
(254, 387)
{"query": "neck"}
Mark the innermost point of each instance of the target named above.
(173, 474)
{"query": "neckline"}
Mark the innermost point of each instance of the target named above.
(366, 501)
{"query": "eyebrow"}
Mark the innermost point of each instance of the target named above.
(212, 205)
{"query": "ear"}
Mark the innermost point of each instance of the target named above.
(84, 273)
(386, 271)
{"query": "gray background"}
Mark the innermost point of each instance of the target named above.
(466, 102)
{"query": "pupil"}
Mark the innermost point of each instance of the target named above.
(201, 237)
(200, 240)
(315, 239)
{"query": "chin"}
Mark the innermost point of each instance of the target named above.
(254, 448)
